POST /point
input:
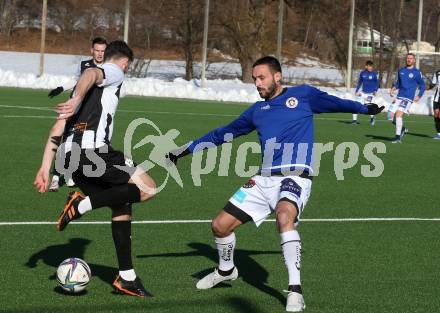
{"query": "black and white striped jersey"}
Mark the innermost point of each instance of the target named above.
(85, 65)
(91, 126)
(436, 83)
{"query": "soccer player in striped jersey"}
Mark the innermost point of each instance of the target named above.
(105, 176)
(98, 47)
(408, 80)
(284, 124)
(436, 102)
(369, 82)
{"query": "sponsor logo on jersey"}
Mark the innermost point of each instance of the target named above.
(292, 102)
(370, 77)
(289, 185)
(251, 183)
(239, 196)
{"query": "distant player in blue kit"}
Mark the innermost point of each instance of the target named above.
(369, 82)
(409, 78)
(284, 124)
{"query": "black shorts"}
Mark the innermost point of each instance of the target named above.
(99, 171)
(436, 105)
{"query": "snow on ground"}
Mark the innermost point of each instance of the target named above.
(18, 69)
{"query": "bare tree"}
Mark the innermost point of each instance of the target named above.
(8, 17)
(189, 29)
(243, 22)
(309, 23)
(370, 24)
(396, 37)
(381, 40)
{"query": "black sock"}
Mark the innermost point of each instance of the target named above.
(225, 273)
(437, 124)
(117, 196)
(121, 232)
(295, 288)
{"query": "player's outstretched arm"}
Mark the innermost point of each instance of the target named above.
(322, 102)
(41, 182)
(90, 77)
(241, 126)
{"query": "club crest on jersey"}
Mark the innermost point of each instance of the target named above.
(292, 102)
(411, 75)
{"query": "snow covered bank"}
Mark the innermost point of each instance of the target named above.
(17, 70)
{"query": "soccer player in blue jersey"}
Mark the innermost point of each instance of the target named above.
(409, 79)
(284, 123)
(369, 82)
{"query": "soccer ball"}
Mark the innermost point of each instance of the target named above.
(73, 275)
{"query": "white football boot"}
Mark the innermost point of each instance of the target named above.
(295, 302)
(55, 183)
(215, 278)
(70, 182)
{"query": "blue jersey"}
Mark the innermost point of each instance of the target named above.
(284, 126)
(408, 79)
(368, 81)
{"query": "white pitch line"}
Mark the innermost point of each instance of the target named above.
(29, 116)
(26, 107)
(361, 219)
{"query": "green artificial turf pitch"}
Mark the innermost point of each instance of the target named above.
(347, 266)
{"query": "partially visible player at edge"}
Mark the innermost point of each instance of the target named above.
(284, 124)
(436, 102)
(98, 47)
(89, 115)
(369, 82)
(409, 78)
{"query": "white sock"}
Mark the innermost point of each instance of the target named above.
(355, 117)
(84, 206)
(225, 247)
(291, 247)
(399, 125)
(371, 116)
(128, 275)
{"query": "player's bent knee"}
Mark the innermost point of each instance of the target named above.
(286, 215)
(147, 190)
(147, 186)
(219, 229)
(119, 212)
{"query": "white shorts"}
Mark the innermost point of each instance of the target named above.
(260, 195)
(366, 98)
(401, 104)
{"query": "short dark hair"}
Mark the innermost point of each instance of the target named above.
(99, 41)
(411, 54)
(118, 49)
(369, 62)
(272, 62)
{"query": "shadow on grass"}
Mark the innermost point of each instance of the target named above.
(226, 304)
(383, 138)
(76, 247)
(346, 122)
(250, 271)
(418, 135)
